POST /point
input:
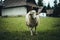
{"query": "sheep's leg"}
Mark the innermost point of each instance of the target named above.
(35, 31)
(31, 31)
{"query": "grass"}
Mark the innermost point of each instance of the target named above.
(15, 29)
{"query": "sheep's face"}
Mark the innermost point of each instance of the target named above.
(33, 14)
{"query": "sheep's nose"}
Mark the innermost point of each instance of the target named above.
(36, 13)
(30, 14)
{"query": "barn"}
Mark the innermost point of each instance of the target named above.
(50, 12)
(43, 12)
(17, 7)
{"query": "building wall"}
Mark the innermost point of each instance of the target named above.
(50, 11)
(42, 14)
(14, 11)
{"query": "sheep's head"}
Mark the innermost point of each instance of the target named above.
(33, 13)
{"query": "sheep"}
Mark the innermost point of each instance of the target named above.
(32, 20)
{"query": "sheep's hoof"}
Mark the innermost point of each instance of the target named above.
(31, 34)
(35, 33)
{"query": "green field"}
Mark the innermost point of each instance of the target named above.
(14, 28)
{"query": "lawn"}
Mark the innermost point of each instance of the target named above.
(14, 28)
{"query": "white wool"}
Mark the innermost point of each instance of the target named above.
(34, 16)
(34, 13)
(27, 18)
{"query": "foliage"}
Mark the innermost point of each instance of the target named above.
(48, 7)
(44, 9)
(40, 2)
(59, 4)
(59, 0)
(56, 12)
(55, 3)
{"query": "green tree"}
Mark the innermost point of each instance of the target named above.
(44, 9)
(59, 4)
(52, 8)
(55, 3)
(59, 0)
(40, 2)
(56, 12)
(48, 7)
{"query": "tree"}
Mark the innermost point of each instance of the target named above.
(56, 12)
(55, 3)
(59, 0)
(52, 7)
(48, 7)
(40, 2)
(44, 9)
(59, 4)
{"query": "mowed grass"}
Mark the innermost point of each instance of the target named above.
(14, 28)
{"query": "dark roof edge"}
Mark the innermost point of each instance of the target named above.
(14, 6)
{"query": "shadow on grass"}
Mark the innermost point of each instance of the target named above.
(48, 35)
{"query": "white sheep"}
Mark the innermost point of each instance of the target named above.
(32, 20)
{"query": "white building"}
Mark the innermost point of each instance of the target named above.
(42, 14)
(16, 7)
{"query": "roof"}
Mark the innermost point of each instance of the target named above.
(31, 4)
(40, 9)
(14, 3)
(44, 10)
(31, 1)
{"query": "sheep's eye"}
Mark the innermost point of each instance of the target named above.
(36, 13)
(30, 14)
